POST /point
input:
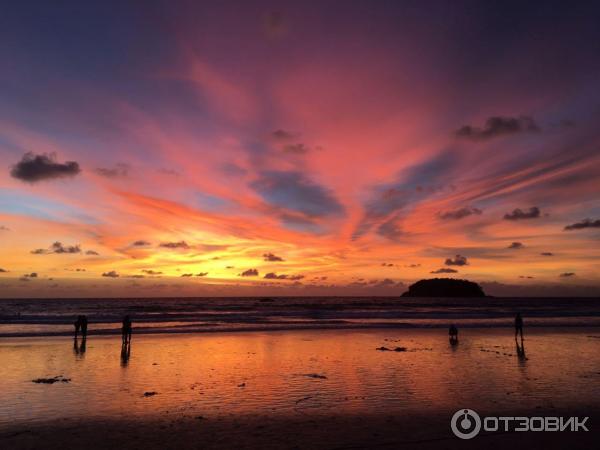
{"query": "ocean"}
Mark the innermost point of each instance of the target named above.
(55, 317)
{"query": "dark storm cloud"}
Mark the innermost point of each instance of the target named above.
(111, 274)
(567, 274)
(292, 190)
(519, 214)
(457, 261)
(587, 223)
(547, 254)
(118, 171)
(174, 245)
(140, 243)
(33, 168)
(516, 245)
(461, 213)
(498, 126)
(271, 257)
(249, 273)
(57, 247)
(444, 270)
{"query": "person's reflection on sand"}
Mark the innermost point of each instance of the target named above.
(125, 353)
(79, 348)
(453, 333)
(520, 351)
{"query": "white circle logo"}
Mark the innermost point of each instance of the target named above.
(465, 423)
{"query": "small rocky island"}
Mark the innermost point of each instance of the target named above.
(444, 287)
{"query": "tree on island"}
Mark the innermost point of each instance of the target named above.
(444, 287)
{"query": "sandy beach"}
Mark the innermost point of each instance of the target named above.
(295, 389)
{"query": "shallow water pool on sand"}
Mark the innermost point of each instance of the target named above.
(299, 373)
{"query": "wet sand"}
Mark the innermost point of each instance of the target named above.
(327, 432)
(296, 389)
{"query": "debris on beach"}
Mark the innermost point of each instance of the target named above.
(52, 380)
(315, 375)
(242, 385)
(150, 393)
(303, 399)
(397, 349)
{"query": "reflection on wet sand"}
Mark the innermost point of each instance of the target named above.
(125, 353)
(79, 347)
(296, 373)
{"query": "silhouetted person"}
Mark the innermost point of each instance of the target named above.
(84, 324)
(77, 325)
(519, 326)
(453, 333)
(126, 330)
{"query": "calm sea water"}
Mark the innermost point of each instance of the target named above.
(42, 317)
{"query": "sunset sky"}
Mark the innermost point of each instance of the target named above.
(298, 148)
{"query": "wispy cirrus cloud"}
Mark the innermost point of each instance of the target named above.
(292, 190)
(120, 170)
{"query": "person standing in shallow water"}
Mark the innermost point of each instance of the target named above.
(84, 324)
(126, 330)
(77, 325)
(518, 326)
